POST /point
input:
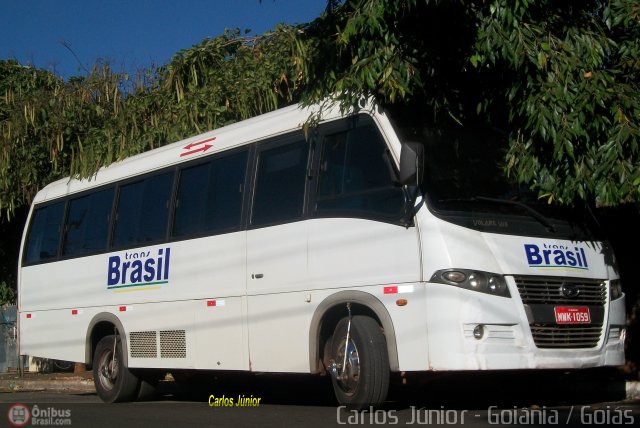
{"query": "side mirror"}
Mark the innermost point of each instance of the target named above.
(411, 164)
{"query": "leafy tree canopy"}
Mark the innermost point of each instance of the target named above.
(50, 128)
(562, 77)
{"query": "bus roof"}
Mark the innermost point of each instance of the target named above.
(237, 134)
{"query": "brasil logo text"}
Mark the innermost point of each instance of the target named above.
(139, 270)
(556, 256)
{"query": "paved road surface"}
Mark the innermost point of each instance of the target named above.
(473, 399)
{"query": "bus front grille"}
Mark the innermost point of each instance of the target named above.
(541, 295)
(566, 336)
(561, 291)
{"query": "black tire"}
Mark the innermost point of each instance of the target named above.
(366, 381)
(148, 390)
(113, 380)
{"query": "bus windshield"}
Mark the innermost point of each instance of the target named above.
(465, 183)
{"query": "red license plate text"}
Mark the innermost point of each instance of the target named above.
(572, 315)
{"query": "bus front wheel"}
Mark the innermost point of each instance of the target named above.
(359, 365)
(113, 380)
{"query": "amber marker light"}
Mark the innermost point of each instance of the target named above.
(401, 302)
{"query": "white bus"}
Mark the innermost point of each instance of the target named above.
(346, 250)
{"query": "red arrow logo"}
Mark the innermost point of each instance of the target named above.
(190, 147)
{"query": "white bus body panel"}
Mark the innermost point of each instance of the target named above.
(203, 299)
(453, 312)
(303, 263)
(245, 300)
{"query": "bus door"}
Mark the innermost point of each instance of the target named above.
(360, 235)
(277, 255)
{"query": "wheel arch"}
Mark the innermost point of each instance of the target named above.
(102, 325)
(332, 309)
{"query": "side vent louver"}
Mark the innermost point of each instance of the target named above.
(173, 344)
(144, 344)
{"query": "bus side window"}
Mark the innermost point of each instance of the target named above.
(354, 177)
(280, 184)
(87, 225)
(44, 234)
(143, 211)
(209, 197)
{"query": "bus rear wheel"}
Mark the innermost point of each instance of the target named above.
(113, 380)
(359, 366)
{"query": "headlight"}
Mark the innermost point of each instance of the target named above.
(497, 284)
(484, 282)
(615, 289)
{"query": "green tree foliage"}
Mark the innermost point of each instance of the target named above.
(573, 73)
(7, 294)
(51, 129)
(28, 145)
(563, 77)
(359, 49)
(45, 124)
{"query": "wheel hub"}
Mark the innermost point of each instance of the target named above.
(348, 376)
(108, 370)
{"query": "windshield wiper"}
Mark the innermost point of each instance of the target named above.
(535, 214)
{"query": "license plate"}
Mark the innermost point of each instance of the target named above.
(572, 315)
